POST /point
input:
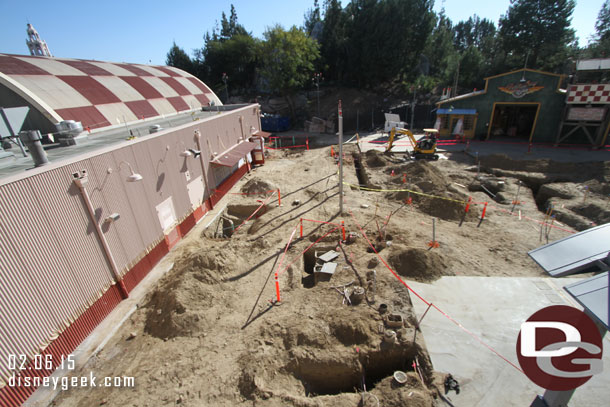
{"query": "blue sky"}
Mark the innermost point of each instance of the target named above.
(143, 31)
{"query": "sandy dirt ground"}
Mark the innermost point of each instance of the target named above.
(209, 334)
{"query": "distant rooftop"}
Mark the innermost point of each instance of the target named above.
(597, 64)
(97, 94)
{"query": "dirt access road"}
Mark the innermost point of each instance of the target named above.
(208, 334)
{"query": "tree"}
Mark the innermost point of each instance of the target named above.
(333, 39)
(474, 32)
(229, 50)
(600, 46)
(176, 57)
(230, 28)
(602, 25)
(288, 58)
(385, 39)
(312, 17)
(440, 50)
(540, 29)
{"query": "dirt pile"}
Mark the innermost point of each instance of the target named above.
(178, 306)
(324, 362)
(375, 159)
(434, 194)
(257, 186)
(418, 264)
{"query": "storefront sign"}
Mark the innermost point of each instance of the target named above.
(520, 89)
(587, 114)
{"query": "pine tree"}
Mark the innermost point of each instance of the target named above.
(539, 29)
(176, 57)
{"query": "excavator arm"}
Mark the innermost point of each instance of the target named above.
(393, 133)
(424, 148)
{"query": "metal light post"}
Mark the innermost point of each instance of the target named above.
(316, 79)
(340, 159)
(225, 79)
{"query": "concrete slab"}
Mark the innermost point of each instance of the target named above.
(493, 308)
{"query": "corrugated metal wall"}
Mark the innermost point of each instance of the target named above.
(52, 264)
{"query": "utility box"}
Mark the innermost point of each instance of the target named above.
(393, 121)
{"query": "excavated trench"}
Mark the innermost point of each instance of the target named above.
(233, 217)
(329, 377)
(309, 262)
(361, 174)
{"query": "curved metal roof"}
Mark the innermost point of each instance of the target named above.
(101, 94)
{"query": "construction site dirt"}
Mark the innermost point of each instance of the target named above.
(211, 333)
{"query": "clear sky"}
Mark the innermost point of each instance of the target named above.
(143, 31)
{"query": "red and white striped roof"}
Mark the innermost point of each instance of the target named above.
(101, 94)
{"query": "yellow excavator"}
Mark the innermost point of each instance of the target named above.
(424, 148)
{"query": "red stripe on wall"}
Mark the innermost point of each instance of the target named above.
(67, 341)
(73, 336)
(187, 224)
(223, 188)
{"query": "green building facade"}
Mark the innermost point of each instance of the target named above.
(526, 105)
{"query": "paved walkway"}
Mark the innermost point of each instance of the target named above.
(493, 308)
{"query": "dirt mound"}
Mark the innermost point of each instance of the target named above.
(375, 159)
(418, 264)
(167, 316)
(209, 265)
(256, 186)
(424, 172)
(178, 306)
(433, 192)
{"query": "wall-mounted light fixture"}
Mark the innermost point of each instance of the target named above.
(112, 218)
(134, 176)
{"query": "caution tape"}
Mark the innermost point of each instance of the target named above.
(408, 190)
(459, 325)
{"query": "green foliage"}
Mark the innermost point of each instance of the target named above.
(231, 51)
(371, 42)
(287, 59)
(540, 28)
(176, 57)
(600, 46)
(312, 17)
(440, 50)
(333, 39)
(602, 25)
(384, 39)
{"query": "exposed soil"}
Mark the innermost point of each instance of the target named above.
(209, 334)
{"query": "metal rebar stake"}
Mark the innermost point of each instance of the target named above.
(340, 158)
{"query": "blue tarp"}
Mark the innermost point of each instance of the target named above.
(275, 123)
(456, 111)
